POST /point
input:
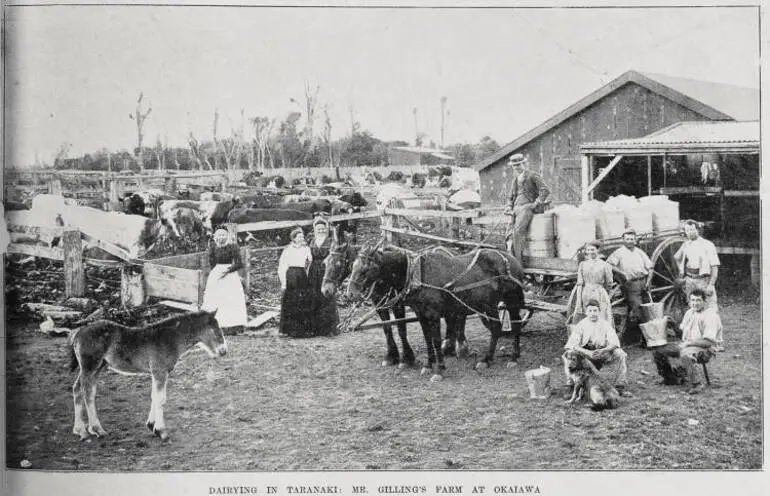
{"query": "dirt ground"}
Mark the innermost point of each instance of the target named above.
(327, 404)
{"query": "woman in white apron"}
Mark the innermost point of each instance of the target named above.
(594, 281)
(224, 290)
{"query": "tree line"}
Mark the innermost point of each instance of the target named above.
(261, 143)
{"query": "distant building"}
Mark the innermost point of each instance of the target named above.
(418, 155)
(631, 106)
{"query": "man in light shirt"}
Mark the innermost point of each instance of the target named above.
(699, 263)
(594, 338)
(634, 263)
(699, 329)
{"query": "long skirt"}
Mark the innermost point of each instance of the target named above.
(296, 304)
(225, 295)
(325, 316)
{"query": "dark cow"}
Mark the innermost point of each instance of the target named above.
(419, 180)
(249, 215)
(134, 204)
(314, 206)
(14, 205)
(350, 227)
(261, 200)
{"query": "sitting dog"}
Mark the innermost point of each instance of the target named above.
(585, 376)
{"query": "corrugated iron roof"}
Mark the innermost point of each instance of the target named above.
(714, 101)
(742, 104)
(690, 134)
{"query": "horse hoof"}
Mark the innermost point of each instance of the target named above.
(97, 431)
(150, 425)
(385, 363)
(482, 365)
(511, 364)
(424, 371)
(402, 366)
(436, 378)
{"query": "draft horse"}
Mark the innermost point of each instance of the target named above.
(338, 264)
(435, 285)
(153, 349)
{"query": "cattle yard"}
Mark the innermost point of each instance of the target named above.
(272, 389)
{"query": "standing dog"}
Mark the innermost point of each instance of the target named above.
(585, 376)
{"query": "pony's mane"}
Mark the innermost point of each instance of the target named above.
(188, 316)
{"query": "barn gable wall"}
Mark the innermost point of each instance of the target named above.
(631, 111)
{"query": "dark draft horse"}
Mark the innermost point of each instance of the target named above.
(338, 264)
(435, 285)
(153, 349)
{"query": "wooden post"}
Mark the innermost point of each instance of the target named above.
(246, 258)
(585, 178)
(74, 275)
(387, 221)
(54, 185)
(169, 185)
(649, 175)
(132, 293)
(114, 199)
(755, 267)
(232, 232)
(201, 287)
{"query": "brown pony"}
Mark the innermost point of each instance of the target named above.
(153, 349)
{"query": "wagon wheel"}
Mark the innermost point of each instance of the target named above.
(664, 282)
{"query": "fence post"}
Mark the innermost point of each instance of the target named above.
(114, 194)
(169, 185)
(74, 276)
(387, 222)
(132, 292)
(54, 185)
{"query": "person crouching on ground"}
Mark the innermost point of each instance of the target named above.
(594, 338)
(224, 290)
(700, 328)
(297, 293)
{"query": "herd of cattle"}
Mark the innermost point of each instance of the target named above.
(191, 219)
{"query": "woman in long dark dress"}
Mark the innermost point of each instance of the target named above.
(297, 293)
(224, 290)
(324, 313)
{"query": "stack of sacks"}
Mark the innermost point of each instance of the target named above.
(574, 227)
(638, 216)
(665, 213)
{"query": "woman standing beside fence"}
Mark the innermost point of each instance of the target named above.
(224, 290)
(323, 310)
(297, 292)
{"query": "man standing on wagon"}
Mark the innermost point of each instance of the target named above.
(528, 197)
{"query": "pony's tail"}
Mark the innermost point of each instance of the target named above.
(73, 357)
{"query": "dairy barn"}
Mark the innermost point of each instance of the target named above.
(649, 134)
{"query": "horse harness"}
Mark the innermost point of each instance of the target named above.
(413, 281)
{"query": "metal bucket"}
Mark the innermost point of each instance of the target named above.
(654, 332)
(651, 311)
(539, 382)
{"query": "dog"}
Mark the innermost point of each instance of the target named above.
(585, 377)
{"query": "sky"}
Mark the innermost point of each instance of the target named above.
(73, 74)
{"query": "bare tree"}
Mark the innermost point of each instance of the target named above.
(443, 115)
(140, 117)
(198, 153)
(158, 151)
(263, 129)
(62, 153)
(327, 134)
(311, 101)
(214, 138)
(417, 137)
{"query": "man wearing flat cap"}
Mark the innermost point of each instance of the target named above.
(529, 195)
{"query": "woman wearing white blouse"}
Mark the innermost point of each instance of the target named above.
(292, 272)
